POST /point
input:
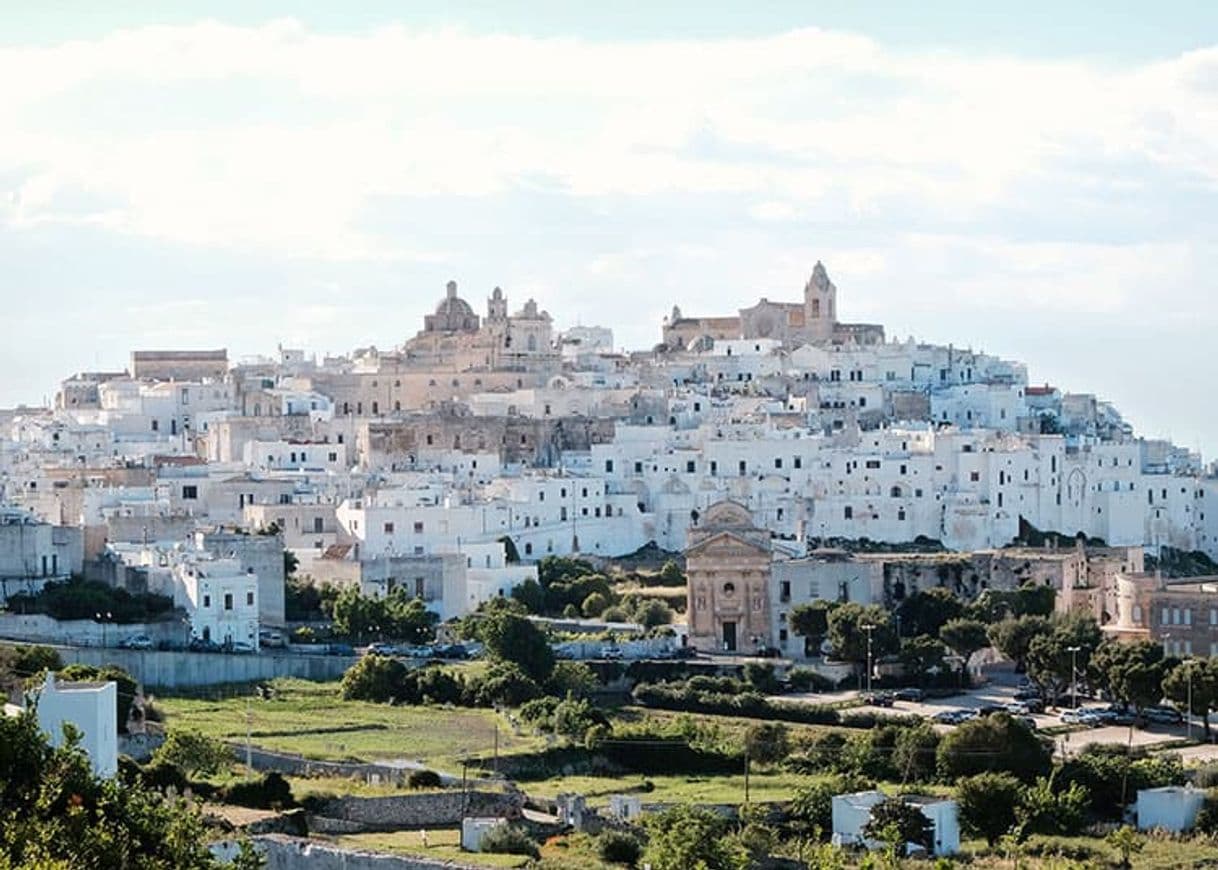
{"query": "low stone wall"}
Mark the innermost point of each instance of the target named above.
(40, 628)
(157, 669)
(297, 765)
(424, 810)
(293, 853)
(140, 746)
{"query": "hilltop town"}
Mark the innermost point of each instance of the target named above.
(770, 516)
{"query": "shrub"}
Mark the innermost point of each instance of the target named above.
(503, 683)
(618, 847)
(193, 752)
(373, 678)
(424, 779)
(162, 775)
(1207, 819)
(507, 840)
(267, 792)
(808, 680)
(995, 743)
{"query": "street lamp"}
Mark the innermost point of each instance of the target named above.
(1074, 676)
(107, 615)
(869, 629)
(1188, 704)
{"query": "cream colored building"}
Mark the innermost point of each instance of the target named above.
(728, 564)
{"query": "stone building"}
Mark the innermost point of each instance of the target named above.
(728, 564)
(179, 365)
(812, 321)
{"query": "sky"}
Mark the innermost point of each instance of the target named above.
(1037, 182)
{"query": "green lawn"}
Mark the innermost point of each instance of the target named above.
(1159, 852)
(311, 719)
(695, 789)
(442, 845)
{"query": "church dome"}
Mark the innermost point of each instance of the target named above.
(453, 314)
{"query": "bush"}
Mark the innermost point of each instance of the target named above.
(507, 840)
(618, 847)
(808, 680)
(193, 752)
(424, 779)
(1207, 819)
(267, 792)
(995, 743)
(503, 683)
(162, 775)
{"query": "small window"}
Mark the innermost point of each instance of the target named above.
(849, 512)
(418, 528)
(249, 599)
(228, 601)
(207, 601)
(389, 528)
(190, 492)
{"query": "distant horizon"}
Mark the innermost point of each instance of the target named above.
(1038, 183)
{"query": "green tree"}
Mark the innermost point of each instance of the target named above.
(1195, 679)
(895, 821)
(922, 656)
(964, 636)
(652, 612)
(571, 678)
(1126, 841)
(290, 564)
(1051, 809)
(995, 743)
(515, 639)
(1052, 656)
(193, 752)
(594, 605)
(687, 837)
(767, 742)
(914, 753)
(407, 618)
(848, 633)
(989, 804)
(374, 678)
(1132, 672)
(811, 621)
(671, 574)
(1013, 635)
(531, 595)
(925, 612)
(54, 813)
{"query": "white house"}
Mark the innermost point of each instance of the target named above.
(1170, 808)
(851, 812)
(221, 600)
(91, 708)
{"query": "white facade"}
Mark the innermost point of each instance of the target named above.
(220, 599)
(1170, 808)
(851, 812)
(91, 708)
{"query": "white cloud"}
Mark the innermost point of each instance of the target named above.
(398, 113)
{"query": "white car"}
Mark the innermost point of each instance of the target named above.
(139, 641)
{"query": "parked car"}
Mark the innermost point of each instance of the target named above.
(952, 717)
(878, 699)
(1027, 721)
(272, 638)
(240, 647)
(199, 644)
(138, 641)
(910, 694)
(1027, 693)
(1163, 715)
(382, 649)
(340, 649)
(991, 709)
(613, 653)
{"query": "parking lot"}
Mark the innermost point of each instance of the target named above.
(997, 695)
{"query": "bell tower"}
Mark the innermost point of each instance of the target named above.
(820, 305)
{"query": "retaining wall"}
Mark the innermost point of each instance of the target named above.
(293, 853)
(425, 810)
(158, 669)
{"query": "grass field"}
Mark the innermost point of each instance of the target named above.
(714, 789)
(442, 845)
(311, 719)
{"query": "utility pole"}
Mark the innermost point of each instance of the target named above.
(746, 771)
(869, 629)
(1074, 676)
(249, 727)
(1188, 707)
(496, 767)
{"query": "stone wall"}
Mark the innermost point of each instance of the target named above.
(40, 628)
(424, 810)
(167, 670)
(293, 853)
